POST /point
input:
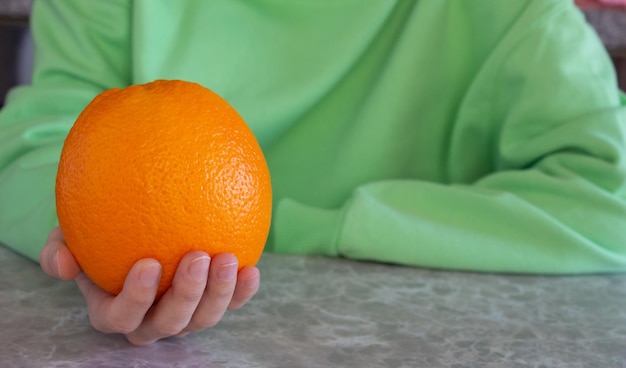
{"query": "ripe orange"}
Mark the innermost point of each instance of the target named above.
(158, 170)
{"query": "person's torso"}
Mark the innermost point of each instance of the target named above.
(338, 93)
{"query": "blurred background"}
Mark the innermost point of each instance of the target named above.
(15, 45)
(608, 17)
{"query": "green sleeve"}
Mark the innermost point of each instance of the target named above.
(81, 49)
(555, 204)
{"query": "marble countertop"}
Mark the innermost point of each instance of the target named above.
(319, 312)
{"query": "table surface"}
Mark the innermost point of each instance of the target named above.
(320, 312)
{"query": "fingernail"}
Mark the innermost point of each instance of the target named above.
(227, 272)
(199, 268)
(150, 274)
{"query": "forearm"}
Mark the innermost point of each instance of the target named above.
(81, 49)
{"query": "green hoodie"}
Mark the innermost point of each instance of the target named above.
(479, 135)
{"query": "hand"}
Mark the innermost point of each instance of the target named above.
(202, 290)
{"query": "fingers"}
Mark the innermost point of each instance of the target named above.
(248, 282)
(176, 308)
(125, 312)
(218, 294)
(56, 259)
(201, 292)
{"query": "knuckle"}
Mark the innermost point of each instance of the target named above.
(208, 318)
(96, 324)
(138, 301)
(189, 296)
(223, 293)
(167, 329)
(119, 324)
(200, 324)
(96, 321)
(133, 303)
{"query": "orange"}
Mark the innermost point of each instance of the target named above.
(158, 170)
